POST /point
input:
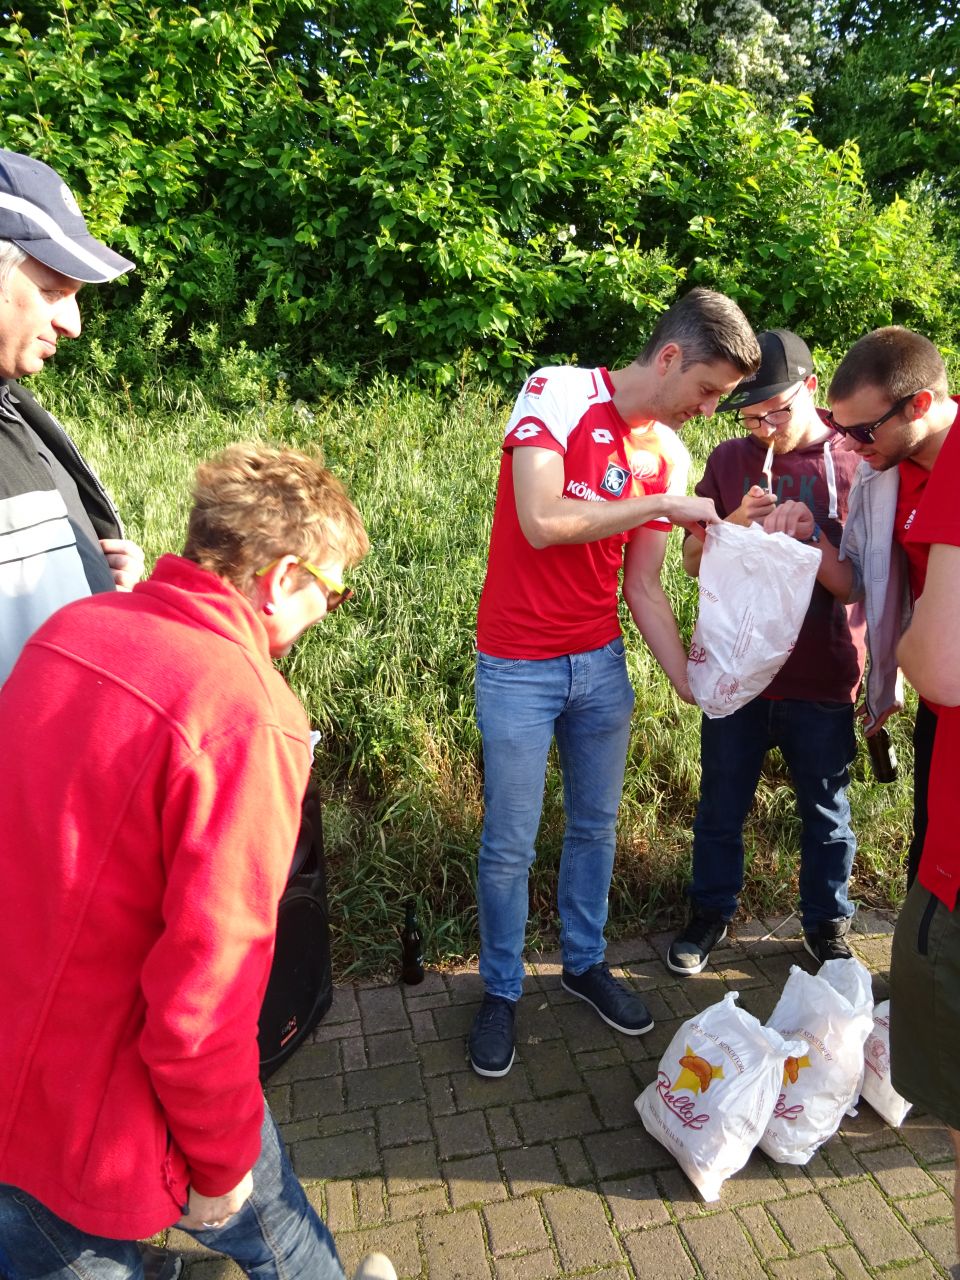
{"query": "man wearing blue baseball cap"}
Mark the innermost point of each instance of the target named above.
(60, 534)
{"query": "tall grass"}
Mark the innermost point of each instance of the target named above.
(388, 680)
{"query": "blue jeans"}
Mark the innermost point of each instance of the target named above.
(585, 701)
(817, 742)
(275, 1236)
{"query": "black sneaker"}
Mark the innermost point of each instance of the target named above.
(617, 1004)
(491, 1037)
(690, 950)
(828, 941)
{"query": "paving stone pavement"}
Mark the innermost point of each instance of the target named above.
(549, 1172)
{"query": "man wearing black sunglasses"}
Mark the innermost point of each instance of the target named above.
(889, 399)
(785, 452)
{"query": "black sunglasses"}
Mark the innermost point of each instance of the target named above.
(863, 432)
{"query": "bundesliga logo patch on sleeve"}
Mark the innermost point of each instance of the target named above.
(615, 479)
(535, 386)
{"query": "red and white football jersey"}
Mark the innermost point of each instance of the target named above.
(563, 599)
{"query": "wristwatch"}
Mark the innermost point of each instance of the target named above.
(814, 539)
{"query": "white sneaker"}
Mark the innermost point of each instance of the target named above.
(375, 1266)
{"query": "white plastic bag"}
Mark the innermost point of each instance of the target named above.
(833, 1011)
(878, 1088)
(714, 1092)
(755, 588)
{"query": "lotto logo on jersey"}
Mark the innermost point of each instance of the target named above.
(602, 436)
(615, 479)
(535, 386)
(526, 432)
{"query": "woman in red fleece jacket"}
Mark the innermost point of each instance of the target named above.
(152, 765)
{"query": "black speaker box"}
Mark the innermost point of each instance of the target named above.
(300, 989)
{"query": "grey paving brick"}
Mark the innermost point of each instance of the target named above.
(503, 1127)
(418, 1204)
(918, 1271)
(837, 1154)
(432, 987)
(403, 1122)
(382, 1009)
(343, 1008)
(309, 1061)
(848, 1263)
(378, 1086)
(338, 1210)
(721, 1248)
(443, 1056)
(552, 1069)
(615, 1155)
(371, 1198)
(423, 1028)
(613, 1090)
(635, 1203)
(342, 1156)
(440, 1098)
(464, 1134)
(530, 1168)
(397, 1240)
(871, 1223)
(897, 1172)
(919, 1210)
(353, 1053)
(474, 1180)
(593, 1059)
(317, 1097)
(626, 952)
(438, 999)
(740, 974)
(455, 1022)
(556, 1118)
(806, 1222)
(337, 1031)
(528, 1266)
(345, 1122)
(927, 1138)
(472, 1091)
(296, 1130)
(580, 1230)
(454, 1246)
(756, 1221)
(410, 1168)
(940, 1241)
(759, 1179)
(678, 1193)
(660, 1253)
(280, 1101)
(537, 1022)
(390, 1047)
(464, 985)
(515, 1227)
(573, 1161)
(812, 1266)
(867, 1132)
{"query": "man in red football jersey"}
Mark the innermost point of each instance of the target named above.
(591, 480)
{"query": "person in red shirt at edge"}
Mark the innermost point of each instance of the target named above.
(807, 710)
(590, 466)
(924, 989)
(889, 398)
(141, 889)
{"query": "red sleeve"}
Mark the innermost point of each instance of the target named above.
(230, 823)
(938, 515)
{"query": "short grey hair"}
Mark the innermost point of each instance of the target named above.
(11, 255)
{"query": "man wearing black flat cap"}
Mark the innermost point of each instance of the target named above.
(60, 535)
(786, 454)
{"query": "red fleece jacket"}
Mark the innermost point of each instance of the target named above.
(152, 765)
